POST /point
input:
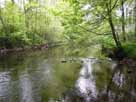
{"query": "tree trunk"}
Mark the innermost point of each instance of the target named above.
(135, 17)
(117, 42)
(25, 14)
(109, 14)
(123, 21)
(13, 1)
(3, 24)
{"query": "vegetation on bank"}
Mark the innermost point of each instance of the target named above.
(110, 23)
(130, 49)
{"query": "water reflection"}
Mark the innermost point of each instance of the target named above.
(4, 85)
(50, 76)
(36, 77)
(118, 79)
(86, 83)
(119, 86)
(26, 88)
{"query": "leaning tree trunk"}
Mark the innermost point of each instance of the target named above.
(112, 27)
(115, 36)
(117, 42)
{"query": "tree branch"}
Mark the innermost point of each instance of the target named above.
(88, 30)
(114, 5)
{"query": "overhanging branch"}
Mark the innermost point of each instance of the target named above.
(88, 30)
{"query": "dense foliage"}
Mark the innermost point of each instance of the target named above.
(79, 22)
(27, 23)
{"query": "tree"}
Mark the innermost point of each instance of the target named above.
(123, 20)
(28, 22)
(109, 14)
(101, 12)
(135, 16)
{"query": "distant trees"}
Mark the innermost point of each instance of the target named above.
(27, 22)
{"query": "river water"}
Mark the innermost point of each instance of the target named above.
(53, 76)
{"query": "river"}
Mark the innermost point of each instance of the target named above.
(53, 76)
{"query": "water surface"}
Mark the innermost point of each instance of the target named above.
(54, 76)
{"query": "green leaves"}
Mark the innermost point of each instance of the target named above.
(80, 21)
(29, 22)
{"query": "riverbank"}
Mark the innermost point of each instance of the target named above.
(126, 55)
(20, 49)
(33, 47)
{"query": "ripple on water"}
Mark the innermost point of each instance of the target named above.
(26, 88)
(4, 84)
